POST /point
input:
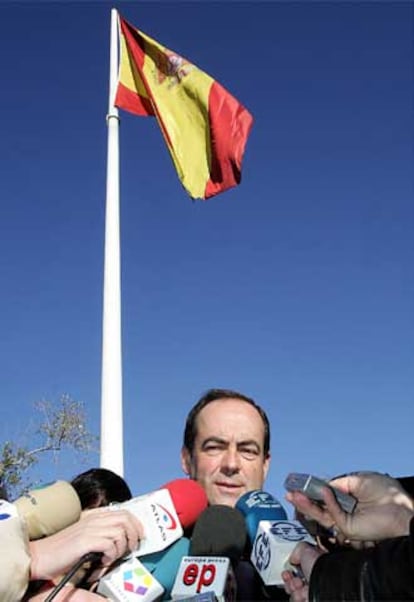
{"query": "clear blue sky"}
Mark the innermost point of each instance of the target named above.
(296, 288)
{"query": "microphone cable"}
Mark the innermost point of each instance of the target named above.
(93, 557)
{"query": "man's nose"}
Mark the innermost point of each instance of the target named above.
(230, 461)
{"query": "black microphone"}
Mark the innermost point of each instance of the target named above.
(219, 531)
(218, 541)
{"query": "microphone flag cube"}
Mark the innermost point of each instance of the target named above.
(203, 574)
(130, 582)
(273, 544)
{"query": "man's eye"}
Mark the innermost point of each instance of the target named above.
(212, 448)
(249, 452)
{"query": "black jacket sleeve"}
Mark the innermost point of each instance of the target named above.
(385, 572)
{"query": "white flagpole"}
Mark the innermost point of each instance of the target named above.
(112, 456)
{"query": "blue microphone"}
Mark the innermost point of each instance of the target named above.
(257, 506)
(164, 565)
(272, 535)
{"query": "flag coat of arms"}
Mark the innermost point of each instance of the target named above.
(204, 126)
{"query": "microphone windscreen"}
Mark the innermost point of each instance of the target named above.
(49, 509)
(189, 500)
(219, 531)
(164, 565)
(259, 505)
(15, 561)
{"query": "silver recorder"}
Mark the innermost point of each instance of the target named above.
(311, 487)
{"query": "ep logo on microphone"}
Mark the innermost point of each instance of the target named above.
(199, 574)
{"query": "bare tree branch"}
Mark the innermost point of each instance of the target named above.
(62, 426)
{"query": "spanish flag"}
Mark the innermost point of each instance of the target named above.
(204, 126)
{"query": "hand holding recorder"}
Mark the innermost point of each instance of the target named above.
(383, 508)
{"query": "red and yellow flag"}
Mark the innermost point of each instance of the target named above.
(204, 126)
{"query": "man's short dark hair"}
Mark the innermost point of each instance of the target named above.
(190, 431)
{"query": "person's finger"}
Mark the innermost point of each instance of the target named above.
(310, 508)
(360, 545)
(340, 519)
(109, 553)
(132, 529)
(123, 521)
(350, 483)
(287, 580)
(298, 552)
(296, 583)
(121, 543)
(300, 595)
(98, 573)
(135, 532)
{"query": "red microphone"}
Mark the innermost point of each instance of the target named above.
(189, 500)
(165, 512)
(151, 570)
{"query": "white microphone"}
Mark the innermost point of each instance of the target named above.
(39, 513)
(205, 575)
(272, 546)
(158, 515)
(15, 563)
(130, 582)
(165, 512)
(150, 570)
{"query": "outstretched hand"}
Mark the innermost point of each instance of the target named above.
(384, 509)
(113, 533)
(303, 556)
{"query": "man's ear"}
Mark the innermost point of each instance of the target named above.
(186, 461)
(266, 465)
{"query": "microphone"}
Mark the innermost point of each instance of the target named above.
(166, 512)
(256, 506)
(39, 513)
(150, 577)
(273, 536)
(164, 565)
(219, 531)
(203, 574)
(48, 509)
(189, 499)
(15, 563)
(130, 581)
(150, 571)
(205, 597)
(219, 537)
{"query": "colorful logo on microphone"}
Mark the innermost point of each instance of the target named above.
(166, 518)
(137, 581)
